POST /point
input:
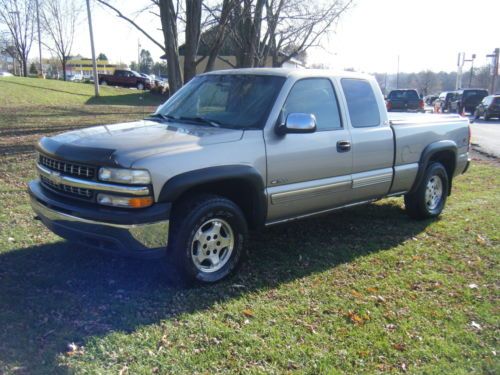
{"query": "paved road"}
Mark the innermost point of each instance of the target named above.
(486, 136)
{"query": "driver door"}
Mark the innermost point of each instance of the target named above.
(309, 172)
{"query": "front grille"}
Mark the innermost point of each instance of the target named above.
(68, 190)
(69, 168)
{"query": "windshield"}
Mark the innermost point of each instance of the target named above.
(231, 100)
(403, 94)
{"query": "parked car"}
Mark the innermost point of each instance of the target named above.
(467, 100)
(6, 74)
(125, 78)
(240, 149)
(430, 99)
(76, 77)
(404, 100)
(488, 108)
(444, 100)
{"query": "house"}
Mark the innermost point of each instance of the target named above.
(226, 58)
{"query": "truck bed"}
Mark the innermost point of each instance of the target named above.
(413, 132)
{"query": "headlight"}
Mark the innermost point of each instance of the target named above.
(125, 202)
(125, 176)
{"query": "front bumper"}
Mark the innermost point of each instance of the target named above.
(142, 233)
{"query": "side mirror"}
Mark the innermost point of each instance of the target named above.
(297, 123)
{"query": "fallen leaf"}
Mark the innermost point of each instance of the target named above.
(399, 346)
(356, 294)
(248, 313)
(372, 290)
(473, 286)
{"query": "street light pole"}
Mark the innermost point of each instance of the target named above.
(495, 57)
(39, 36)
(94, 64)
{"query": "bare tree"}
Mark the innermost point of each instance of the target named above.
(18, 17)
(59, 18)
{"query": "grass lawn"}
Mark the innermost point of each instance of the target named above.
(365, 290)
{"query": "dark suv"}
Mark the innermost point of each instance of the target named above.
(488, 108)
(467, 99)
(404, 100)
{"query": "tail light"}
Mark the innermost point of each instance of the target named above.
(388, 105)
(421, 104)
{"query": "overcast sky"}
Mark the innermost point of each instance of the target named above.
(426, 34)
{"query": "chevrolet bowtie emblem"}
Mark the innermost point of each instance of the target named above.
(55, 177)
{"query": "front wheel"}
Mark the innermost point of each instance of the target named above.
(207, 237)
(430, 197)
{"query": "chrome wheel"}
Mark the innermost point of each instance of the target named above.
(433, 192)
(212, 245)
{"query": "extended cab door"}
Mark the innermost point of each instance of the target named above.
(307, 173)
(372, 139)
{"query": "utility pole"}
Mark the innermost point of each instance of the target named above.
(471, 60)
(94, 64)
(397, 76)
(495, 57)
(460, 65)
(139, 55)
(39, 35)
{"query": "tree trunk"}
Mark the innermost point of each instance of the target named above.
(24, 65)
(63, 63)
(193, 24)
(220, 36)
(169, 28)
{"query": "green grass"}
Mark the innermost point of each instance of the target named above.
(365, 290)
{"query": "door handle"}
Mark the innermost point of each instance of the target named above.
(343, 146)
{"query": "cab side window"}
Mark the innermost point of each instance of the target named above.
(361, 102)
(314, 96)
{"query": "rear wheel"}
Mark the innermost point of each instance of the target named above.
(207, 237)
(104, 83)
(486, 116)
(140, 86)
(430, 197)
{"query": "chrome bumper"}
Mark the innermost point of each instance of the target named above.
(142, 240)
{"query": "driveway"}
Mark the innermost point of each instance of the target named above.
(486, 136)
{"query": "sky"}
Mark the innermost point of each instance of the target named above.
(425, 34)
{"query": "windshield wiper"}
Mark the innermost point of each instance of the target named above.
(161, 116)
(201, 120)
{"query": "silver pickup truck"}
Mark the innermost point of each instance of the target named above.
(238, 150)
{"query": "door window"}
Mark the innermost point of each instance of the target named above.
(314, 96)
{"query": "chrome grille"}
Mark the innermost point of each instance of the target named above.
(69, 190)
(68, 168)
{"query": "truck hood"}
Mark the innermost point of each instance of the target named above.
(123, 144)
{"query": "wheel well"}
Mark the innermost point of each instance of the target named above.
(240, 191)
(448, 160)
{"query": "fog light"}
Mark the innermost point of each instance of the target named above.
(126, 202)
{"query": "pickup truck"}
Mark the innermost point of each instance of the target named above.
(238, 150)
(125, 78)
(404, 100)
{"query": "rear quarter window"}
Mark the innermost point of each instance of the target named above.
(361, 103)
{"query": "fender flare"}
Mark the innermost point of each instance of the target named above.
(428, 152)
(181, 183)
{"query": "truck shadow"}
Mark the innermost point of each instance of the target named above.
(55, 294)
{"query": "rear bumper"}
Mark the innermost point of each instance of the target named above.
(140, 234)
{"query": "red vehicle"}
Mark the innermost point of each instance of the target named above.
(125, 78)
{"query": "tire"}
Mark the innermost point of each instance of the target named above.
(140, 86)
(476, 115)
(486, 116)
(429, 199)
(104, 83)
(198, 226)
